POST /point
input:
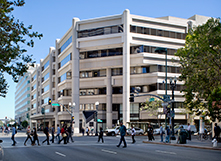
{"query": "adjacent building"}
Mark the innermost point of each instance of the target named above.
(103, 60)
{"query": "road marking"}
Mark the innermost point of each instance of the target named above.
(60, 154)
(108, 151)
(165, 152)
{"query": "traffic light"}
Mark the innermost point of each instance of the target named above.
(131, 98)
(72, 118)
(49, 101)
(42, 110)
(27, 115)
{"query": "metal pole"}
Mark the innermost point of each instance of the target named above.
(96, 120)
(44, 119)
(173, 137)
(166, 85)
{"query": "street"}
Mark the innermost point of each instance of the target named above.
(87, 148)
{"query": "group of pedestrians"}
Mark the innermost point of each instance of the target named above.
(5, 129)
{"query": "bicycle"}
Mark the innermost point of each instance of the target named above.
(203, 136)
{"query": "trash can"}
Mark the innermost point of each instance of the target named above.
(183, 136)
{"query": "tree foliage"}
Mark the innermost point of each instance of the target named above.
(24, 124)
(14, 36)
(200, 61)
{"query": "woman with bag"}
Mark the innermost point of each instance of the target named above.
(63, 134)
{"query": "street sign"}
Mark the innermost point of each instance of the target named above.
(99, 120)
(166, 98)
(55, 104)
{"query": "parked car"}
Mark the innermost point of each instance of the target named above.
(193, 128)
(139, 131)
(157, 131)
(112, 132)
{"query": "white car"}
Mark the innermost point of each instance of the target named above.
(112, 132)
(139, 131)
(157, 131)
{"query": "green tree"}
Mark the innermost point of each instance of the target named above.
(14, 36)
(200, 61)
(24, 124)
(152, 107)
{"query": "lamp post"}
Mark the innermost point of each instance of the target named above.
(160, 50)
(96, 104)
(72, 106)
(172, 87)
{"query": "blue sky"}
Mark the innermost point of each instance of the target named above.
(54, 17)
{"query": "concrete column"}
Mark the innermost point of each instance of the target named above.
(109, 99)
(75, 75)
(126, 67)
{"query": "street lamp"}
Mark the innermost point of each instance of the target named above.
(72, 106)
(160, 50)
(96, 104)
(172, 87)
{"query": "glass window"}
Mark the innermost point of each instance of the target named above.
(65, 60)
(114, 29)
(179, 36)
(172, 34)
(65, 45)
(140, 30)
(146, 31)
(159, 33)
(133, 29)
(153, 31)
(166, 33)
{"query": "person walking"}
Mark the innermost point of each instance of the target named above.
(28, 132)
(46, 131)
(189, 131)
(101, 135)
(13, 135)
(150, 133)
(58, 133)
(167, 139)
(35, 136)
(64, 135)
(161, 133)
(70, 134)
(133, 133)
(216, 131)
(87, 131)
(82, 130)
(52, 134)
(122, 131)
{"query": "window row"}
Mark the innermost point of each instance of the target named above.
(65, 60)
(149, 49)
(45, 89)
(95, 73)
(101, 53)
(84, 92)
(45, 66)
(100, 31)
(65, 45)
(157, 32)
(64, 77)
(45, 77)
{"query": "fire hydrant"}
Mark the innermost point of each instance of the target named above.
(214, 143)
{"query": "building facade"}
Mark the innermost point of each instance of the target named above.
(102, 60)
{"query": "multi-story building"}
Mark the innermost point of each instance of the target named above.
(102, 60)
(23, 97)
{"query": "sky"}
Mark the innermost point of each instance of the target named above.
(53, 18)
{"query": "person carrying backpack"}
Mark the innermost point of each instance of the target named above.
(14, 131)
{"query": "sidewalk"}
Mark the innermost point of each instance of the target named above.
(194, 143)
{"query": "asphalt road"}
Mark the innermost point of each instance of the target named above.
(87, 148)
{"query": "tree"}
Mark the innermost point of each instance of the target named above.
(24, 124)
(200, 62)
(152, 107)
(14, 36)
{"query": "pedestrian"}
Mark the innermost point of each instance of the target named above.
(100, 135)
(46, 132)
(35, 136)
(122, 131)
(14, 131)
(92, 131)
(52, 134)
(216, 131)
(87, 131)
(189, 131)
(167, 139)
(133, 133)
(28, 132)
(161, 133)
(150, 133)
(58, 133)
(82, 130)
(70, 134)
(64, 135)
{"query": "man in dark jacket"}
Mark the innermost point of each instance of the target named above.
(100, 135)
(122, 134)
(46, 131)
(52, 134)
(216, 131)
(70, 134)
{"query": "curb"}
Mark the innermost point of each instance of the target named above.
(182, 145)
